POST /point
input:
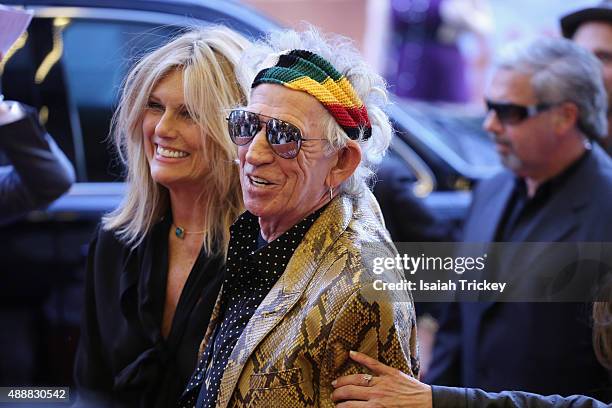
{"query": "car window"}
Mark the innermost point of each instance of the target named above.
(458, 129)
(71, 70)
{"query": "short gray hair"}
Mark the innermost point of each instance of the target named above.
(562, 71)
(368, 85)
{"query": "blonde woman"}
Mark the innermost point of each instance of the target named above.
(155, 265)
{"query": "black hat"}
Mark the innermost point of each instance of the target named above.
(571, 22)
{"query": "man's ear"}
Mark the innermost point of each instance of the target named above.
(349, 158)
(566, 117)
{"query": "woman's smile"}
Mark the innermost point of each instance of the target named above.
(164, 152)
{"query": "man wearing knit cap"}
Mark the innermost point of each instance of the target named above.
(299, 291)
(591, 28)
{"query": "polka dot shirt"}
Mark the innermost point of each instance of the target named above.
(253, 266)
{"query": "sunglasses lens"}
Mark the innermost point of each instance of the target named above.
(284, 138)
(509, 113)
(242, 126)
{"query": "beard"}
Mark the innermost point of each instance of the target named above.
(511, 162)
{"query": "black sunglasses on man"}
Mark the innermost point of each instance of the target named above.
(513, 114)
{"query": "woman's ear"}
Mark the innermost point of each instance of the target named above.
(349, 158)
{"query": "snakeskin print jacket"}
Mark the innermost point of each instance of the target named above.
(324, 305)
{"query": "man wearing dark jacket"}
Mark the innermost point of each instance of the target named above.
(546, 103)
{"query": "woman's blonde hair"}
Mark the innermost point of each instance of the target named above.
(207, 58)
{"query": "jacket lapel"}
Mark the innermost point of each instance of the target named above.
(558, 219)
(287, 290)
(214, 320)
(480, 229)
(485, 224)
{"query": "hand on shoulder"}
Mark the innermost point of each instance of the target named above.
(387, 388)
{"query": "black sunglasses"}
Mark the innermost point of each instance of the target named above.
(513, 114)
(284, 138)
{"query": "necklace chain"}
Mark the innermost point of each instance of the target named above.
(180, 232)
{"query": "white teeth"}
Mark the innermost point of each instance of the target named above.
(259, 180)
(165, 152)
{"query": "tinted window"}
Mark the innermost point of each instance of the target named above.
(71, 70)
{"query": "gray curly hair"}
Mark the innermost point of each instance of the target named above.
(368, 85)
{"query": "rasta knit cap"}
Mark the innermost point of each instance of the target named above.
(306, 71)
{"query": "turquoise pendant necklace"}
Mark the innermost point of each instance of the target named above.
(180, 232)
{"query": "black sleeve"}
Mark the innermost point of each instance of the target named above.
(451, 397)
(91, 372)
(39, 171)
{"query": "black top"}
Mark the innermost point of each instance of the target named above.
(122, 356)
(253, 267)
(521, 209)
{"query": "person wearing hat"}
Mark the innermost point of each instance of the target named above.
(591, 28)
(300, 286)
